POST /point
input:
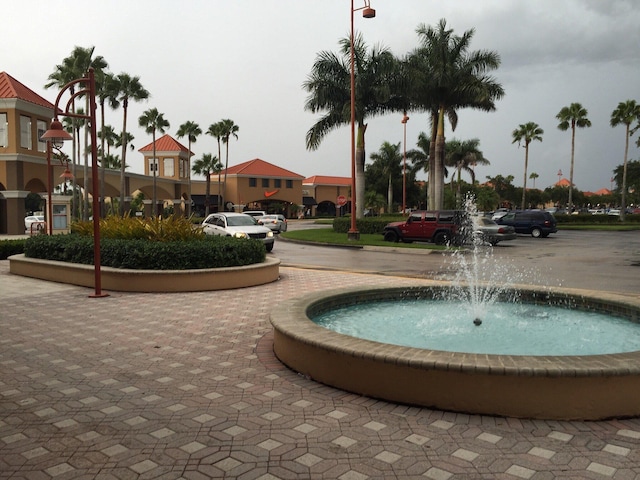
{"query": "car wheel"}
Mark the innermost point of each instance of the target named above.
(536, 232)
(269, 247)
(391, 236)
(441, 238)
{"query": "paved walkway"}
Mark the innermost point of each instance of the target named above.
(168, 386)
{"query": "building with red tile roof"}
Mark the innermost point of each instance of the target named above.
(326, 195)
(260, 185)
(24, 117)
(172, 158)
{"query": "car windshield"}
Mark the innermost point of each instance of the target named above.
(241, 221)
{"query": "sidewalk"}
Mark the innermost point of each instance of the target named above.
(169, 386)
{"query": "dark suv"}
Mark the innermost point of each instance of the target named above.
(537, 223)
(439, 227)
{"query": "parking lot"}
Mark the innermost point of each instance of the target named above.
(573, 259)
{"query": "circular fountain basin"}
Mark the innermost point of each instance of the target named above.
(572, 387)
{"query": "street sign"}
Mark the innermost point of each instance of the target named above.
(341, 200)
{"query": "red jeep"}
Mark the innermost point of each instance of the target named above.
(440, 227)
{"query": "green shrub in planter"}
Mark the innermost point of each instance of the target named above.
(11, 247)
(202, 252)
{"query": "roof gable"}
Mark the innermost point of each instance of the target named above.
(326, 180)
(260, 168)
(12, 88)
(166, 143)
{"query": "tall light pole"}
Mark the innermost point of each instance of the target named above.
(367, 12)
(404, 121)
(56, 134)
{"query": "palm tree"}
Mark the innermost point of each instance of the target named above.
(575, 115)
(533, 176)
(526, 133)
(192, 131)
(464, 155)
(329, 87)
(215, 130)
(129, 88)
(205, 166)
(228, 129)
(107, 92)
(625, 113)
(73, 67)
(388, 158)
(108, 137)
(153, 121)
(443, 77)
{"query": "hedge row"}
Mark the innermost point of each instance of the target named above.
(11, 247)
(206, 252)
(365, 225)
(596, 219)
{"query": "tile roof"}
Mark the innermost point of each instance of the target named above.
(563, 182)
(12, 88)
(260, 168)
(166, 143)
(326, 180)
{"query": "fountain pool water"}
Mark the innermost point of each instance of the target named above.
(508, 328)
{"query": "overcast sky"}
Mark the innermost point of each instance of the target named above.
(205, 60)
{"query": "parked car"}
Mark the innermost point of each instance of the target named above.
(276, 222)
(490, 232)
(499, 213)
(439, 227)
(255, 213)
(537, 223)
(34, 223)
(238, 225)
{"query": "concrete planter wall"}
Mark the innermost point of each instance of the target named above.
(124, 280)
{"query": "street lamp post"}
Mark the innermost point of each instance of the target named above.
(367, 12)
(57, 134)
(404, 121)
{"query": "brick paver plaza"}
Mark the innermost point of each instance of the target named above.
(168, 386)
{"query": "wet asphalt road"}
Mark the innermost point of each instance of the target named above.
(608, 261)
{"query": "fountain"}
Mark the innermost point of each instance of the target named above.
(585, 385)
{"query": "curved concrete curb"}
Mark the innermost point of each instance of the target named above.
(149, 281)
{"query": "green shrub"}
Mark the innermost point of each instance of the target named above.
(365, 225)
(159, 229)
(202, 252)
(11, 247)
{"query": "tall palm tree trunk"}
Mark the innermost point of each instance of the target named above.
(360, 160)
(573, 149)
(85, 197)
(124, 156)
(188, 177)
(431, 199)
(438, 190)
(219, 179)
(155, 168)
(623, 203)
(524, 181)
(390, 195)
(226, 167)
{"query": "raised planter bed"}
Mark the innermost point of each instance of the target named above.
(124, 280)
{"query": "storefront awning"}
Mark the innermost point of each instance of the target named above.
(309, 201)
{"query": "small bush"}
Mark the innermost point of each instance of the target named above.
(11, 247)
(364, 225)
(202, 252)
